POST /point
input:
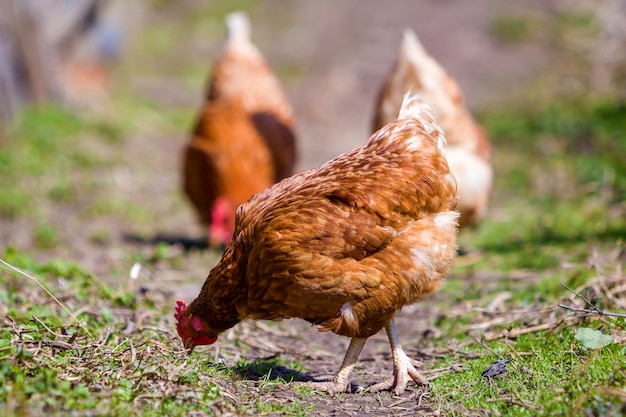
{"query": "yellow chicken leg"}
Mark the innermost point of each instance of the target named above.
(404, 368)
(341, 382)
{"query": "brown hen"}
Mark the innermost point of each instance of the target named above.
(468, 149)
(243, 141)
(344, 246)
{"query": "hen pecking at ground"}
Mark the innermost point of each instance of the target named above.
(344, 246)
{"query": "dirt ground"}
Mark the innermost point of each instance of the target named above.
(342, 51)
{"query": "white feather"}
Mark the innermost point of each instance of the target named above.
(348, 314)
(238, 28)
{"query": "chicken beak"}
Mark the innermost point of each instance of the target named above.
(189, 346)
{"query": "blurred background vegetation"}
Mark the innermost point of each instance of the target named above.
(97, 97)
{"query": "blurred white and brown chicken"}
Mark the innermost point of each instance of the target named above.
(243, 141)
(468, 150)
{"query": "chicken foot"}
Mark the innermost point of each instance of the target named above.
(341, 382)
(404, 368)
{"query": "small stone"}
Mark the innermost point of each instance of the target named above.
(496, 368)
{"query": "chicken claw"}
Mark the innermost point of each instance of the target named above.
(404, 368)
(341, 382)
(404, 371)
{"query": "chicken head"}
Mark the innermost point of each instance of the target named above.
(190, 328)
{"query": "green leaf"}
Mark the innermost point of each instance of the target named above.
(593, 339)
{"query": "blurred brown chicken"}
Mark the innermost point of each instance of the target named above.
(468, 150)
(243, 141)
(343, 246)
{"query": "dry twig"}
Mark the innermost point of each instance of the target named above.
(592, 308)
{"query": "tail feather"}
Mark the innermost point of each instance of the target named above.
(238, 28)
(411, 46)
(414, 106)
(419, 67)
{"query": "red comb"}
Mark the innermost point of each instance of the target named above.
(180, 307)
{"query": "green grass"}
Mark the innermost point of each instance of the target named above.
(510, 29)
(89, 366)
(47, 151)
(550, 374)
(560, 183)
